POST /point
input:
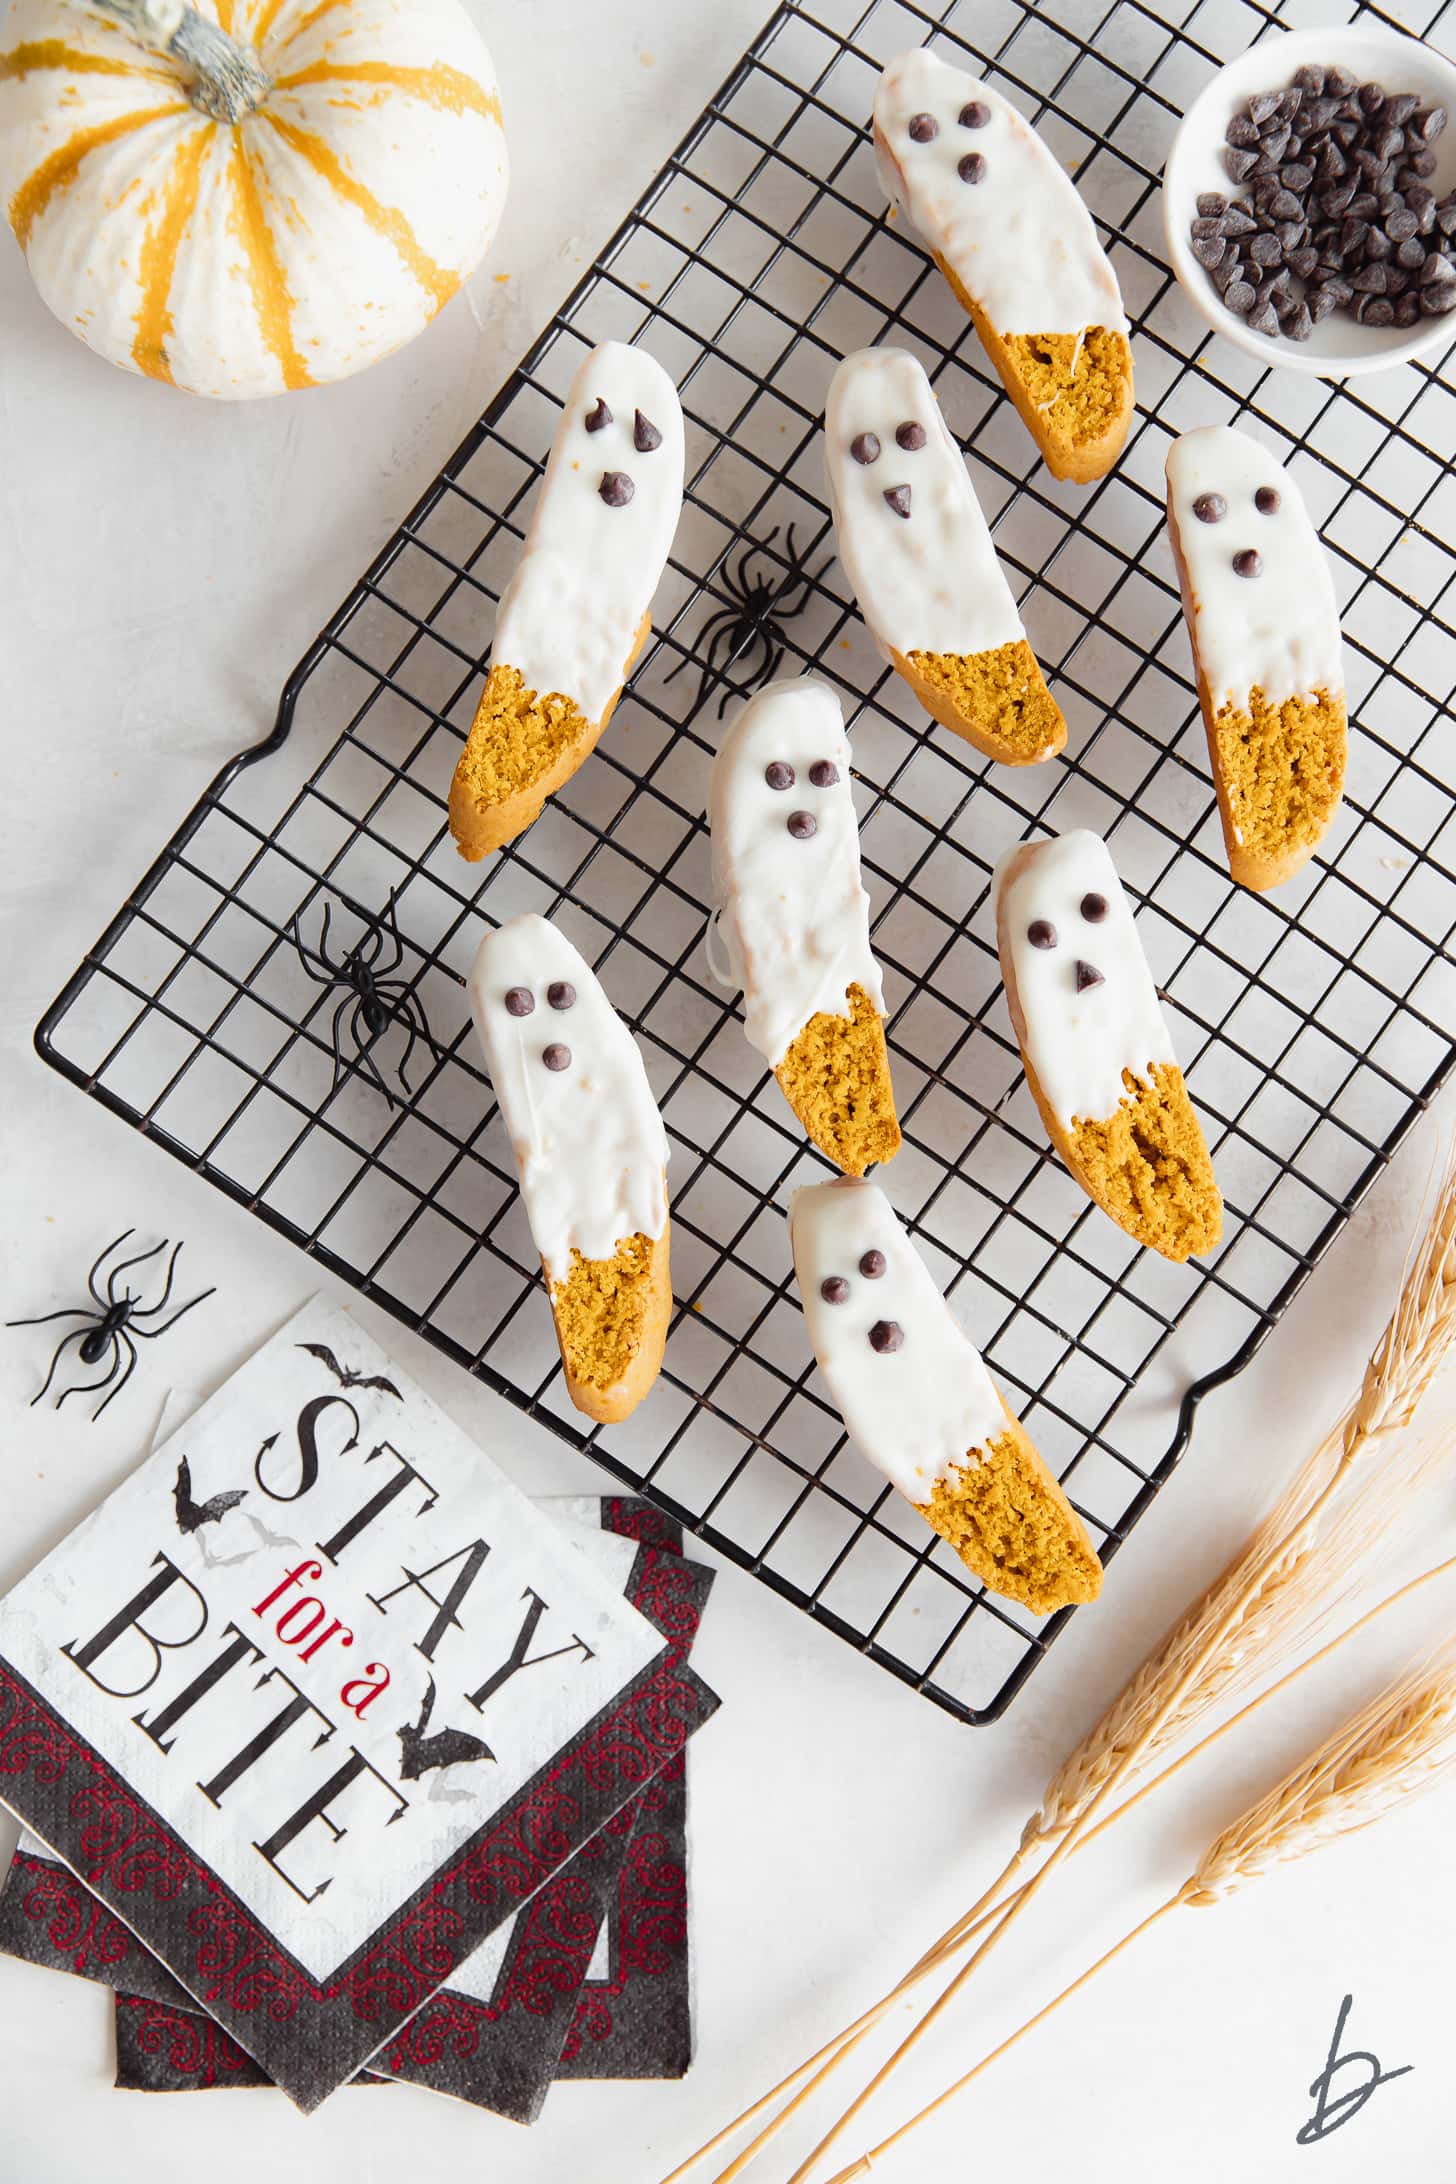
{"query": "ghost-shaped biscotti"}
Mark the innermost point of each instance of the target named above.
(919, 1404)
(1003, 221)
(591, 1154)
(575, 613)
(916, 548)
(1259, 602)
(794, 918)
(1096, 1050)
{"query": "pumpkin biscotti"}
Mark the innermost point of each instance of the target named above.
(1259, 602)
(591, 1153)
(795, 919)
(1095, 1047)
(1007, 228)
(575, 614)
(916, 548)
(919, 1404)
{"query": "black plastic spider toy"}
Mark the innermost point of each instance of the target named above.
(759, 606)
(373, 999)
(116, 1325)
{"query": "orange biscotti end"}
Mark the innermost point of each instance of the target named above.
(611, 1323)
(997, 700)
(1148, 1166)
(1279, 770)
(836, 1077)
(1011, 1524)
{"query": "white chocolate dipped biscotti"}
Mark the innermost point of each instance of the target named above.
(575, 614)
(1259, 602)
(591, 1154)
(916, 548)
(795, 919)
(1006, 226)
(919, 1404)
(1095, 1047)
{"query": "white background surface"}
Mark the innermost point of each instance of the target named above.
(162, 563)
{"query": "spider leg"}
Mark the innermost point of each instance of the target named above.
(123, 1342)
(72, 1311)
(77, 1334)
(89, 1387)
(147, 1310)
(99, 1261)
(707, 637)
(305, 957)
(149, 1334)
(337, 1040)
(388, 929)
(336, 969)
(117, 1271)
(366, 1058)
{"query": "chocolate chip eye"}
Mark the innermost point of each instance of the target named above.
(1247, 563)
(1094, 908)
(598, 417)
(1266, 500)
(519, 1001)
(802, 824)
(886, 1335)
(645, 435)
(1088, 976)
(865, 447)
(910, 436)
(972, 168)
(872, 1265)
(1042, 933)
(556, 1057)
(823, 773)
(834, 1289)
(1210, 508)
(616, 488)
(898, 497)
(561, 994)
(924, 128)
(778, 775)
(974, 114)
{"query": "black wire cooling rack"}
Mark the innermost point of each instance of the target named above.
(1314, 1025)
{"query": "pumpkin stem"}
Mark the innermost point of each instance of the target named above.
(230, 81)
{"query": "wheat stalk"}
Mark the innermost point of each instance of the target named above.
(1290, 1573)
(1397, 1747)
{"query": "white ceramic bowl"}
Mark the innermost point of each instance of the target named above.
(1339, 348)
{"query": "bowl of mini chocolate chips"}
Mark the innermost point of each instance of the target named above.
(1309, 201)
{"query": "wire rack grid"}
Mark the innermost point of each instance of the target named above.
(1314, 1026)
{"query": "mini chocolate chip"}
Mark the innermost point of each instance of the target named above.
(1210, 251)
(556, 1057)
(1402, 224)
(616, 488)
(910, 436)
(778, 775)
(1429, 123)
(972, 168)
(802, 824)
(1339, 83)
(561, 994)
(1212, 204)
(1371, 98)
(1297, 176)
(1210, 508)
(924, 128)
(1263, 106)
(1240, 298)
(1411, 255)
(1241, 132)
(1094, 908)
(1285, 205)
(645, 435)
(1264, 250)
(1042, 933)
(1378, 247)
(1273, 145)
(872, 1265)
(823, 773)
(974, 114)
(598, 417)
(865, 447)
(1370, 280)
(1320, 302)
(1340, 289)
(1309, 78)
(1388, 144)
(1088, 976)
(1299, 325)
(1266, 500)
(1422, 166)
(1247, 563)
(1237, 222)
(1408, 310)
(1378, 311)
(1238, 165)
(886, 1335)
(1437, 301)
(1401, 107)
(519, 1001)
(1434, 268)
(1202, 228)
(834, 1289)
(898, 497)
(1304, 263)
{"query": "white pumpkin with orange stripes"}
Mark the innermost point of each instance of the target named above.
(248, 195)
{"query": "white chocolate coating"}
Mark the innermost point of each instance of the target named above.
(569, 617)
(1079, 1044)
(589, 1142)
(1021, 241)
(919, 1412)
(929, 581)
(793, 915)
(1279, 631)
